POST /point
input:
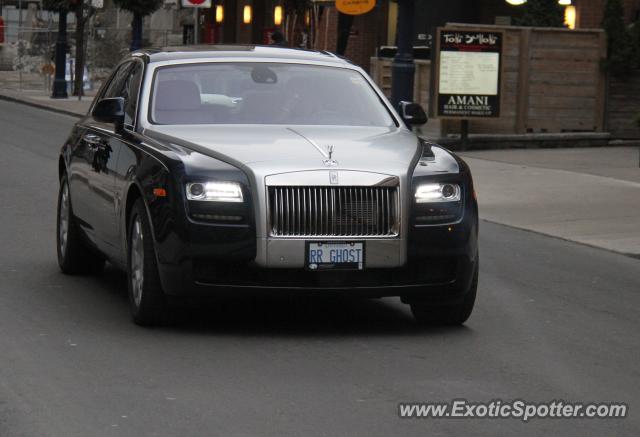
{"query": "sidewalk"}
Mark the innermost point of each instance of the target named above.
(70, 106)
(590, 196)
(34, 94)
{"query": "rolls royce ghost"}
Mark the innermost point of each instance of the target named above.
(256, 170)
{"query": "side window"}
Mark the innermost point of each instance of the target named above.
(126, 84)
(117, 83)
(132, 88)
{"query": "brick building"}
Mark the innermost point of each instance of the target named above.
(378, 27)
(590, 12)
(227, 22)
(319, 28)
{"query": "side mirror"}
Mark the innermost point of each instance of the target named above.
(412, 114)
(110, 110)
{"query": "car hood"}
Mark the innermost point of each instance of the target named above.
(276, 149)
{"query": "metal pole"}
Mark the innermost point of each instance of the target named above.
(20, 44)
(196, 24)
(464, 134)
(403, 67)
(59, 83)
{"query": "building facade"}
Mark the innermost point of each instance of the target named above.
(317, 24)
(322, 26)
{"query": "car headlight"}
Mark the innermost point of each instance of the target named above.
(439, 192)
(215, 191)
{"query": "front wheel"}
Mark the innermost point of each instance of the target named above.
(455, 314)
(146, 298)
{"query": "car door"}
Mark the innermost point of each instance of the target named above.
(130, 151)
(89, 167)
(102, 149)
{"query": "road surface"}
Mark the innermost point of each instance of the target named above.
(554, 320)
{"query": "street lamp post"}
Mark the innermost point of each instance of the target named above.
(60, 83)
(136, 32)
(403, 67)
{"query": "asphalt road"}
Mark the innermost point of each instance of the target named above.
(554, 320)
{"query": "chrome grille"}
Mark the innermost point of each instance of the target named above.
(333, 211)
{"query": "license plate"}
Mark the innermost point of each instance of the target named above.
(335, 255)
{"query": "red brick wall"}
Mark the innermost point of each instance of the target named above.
(365, 32)
(590, 12)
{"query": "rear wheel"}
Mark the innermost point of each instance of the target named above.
(456, 314)
(74, 256)
(146, 298)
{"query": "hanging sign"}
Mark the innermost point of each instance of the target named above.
(196, 3)
(355, 7)
(468, 73)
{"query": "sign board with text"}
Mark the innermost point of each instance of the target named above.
(355, 7)
(196, 3)
(468, 73)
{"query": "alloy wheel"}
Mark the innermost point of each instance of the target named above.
(63, 229)
(137, 261)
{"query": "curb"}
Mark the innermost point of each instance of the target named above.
(529, 141)
(557, 237)
(40, 106)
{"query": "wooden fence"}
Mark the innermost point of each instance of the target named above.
(552, 82)
(623, 105)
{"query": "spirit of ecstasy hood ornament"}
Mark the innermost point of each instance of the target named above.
(330, 162)
(330, 151)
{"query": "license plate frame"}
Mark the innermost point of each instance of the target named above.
(326, 262)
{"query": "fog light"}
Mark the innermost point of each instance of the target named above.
(218, 217)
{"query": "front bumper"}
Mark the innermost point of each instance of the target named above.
(439, 265)
(437, 278)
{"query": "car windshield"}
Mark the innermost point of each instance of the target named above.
(265, 93)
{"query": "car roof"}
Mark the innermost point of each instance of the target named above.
(235, 51)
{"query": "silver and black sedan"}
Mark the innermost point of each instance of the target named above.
(256, 170)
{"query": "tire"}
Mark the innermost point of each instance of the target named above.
(456, 314)
(74, 256)
(146, 298)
